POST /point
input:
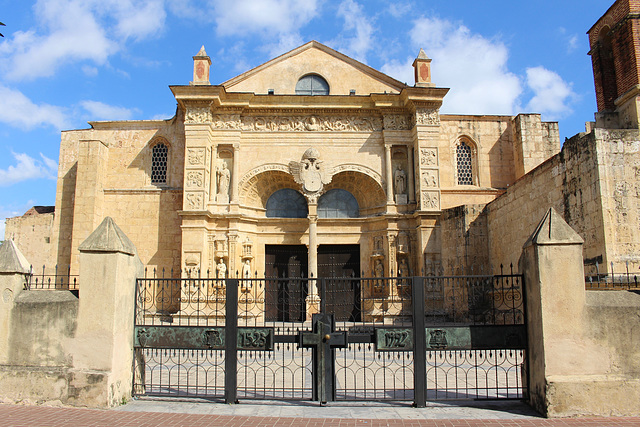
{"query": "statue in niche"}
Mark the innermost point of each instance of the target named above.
(400, 178)
(403, 243)
(221, 271)
(403, 268)
(246, 269)
(378, 269)
(224, 176)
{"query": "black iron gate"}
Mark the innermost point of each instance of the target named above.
(409, 339)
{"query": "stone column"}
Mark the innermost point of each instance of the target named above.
(388, 169)
(313, 299)
(411, 176)
(234, 174)
(13, 267)
(103, 356)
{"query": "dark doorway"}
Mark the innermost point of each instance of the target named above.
(340, 265)
(285, 266)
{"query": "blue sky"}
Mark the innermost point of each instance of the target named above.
(65, 62)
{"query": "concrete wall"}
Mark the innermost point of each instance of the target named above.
(593, 184)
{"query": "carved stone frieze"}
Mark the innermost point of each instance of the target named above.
(226, 122)
(430, 178)
(194, 201)
(198, 115)
(430, 200)
(427, 116)
(429, 156)
(396, 122)
(311, 124)
(195, 179)
(195, 156)
(261, 169)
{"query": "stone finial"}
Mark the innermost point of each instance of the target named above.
(422, 68)
(201, 65)
(553, 230)
(11, 259)
(108, 237)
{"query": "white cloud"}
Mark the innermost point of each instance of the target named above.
(28, 168)
(20, 111)
(358, 23)
(399, 9)
(101, 111)
(474, 67)
(551, 93)
(242, 17)
(573, 43)
(77, 30)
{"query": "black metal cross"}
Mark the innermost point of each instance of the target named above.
(323, 340)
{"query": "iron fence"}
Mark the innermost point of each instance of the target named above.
(625, 279)
(190, 337)
(60, 280)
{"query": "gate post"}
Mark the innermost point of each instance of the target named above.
(103, 347)
(419, 344)
(231, 343)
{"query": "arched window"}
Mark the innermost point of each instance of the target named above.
(464, 164)
(312, 84)
(338, 203)
(159, 157)
(287, 203)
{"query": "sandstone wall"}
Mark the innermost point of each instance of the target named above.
(593, 184)
(106, 171)
(465, 247)
(33, 235)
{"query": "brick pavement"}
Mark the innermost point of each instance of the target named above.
(24, 415)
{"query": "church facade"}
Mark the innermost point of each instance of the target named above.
(312, 164)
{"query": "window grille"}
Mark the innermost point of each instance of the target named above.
(464, 164)
(159, 164)
(312, 84)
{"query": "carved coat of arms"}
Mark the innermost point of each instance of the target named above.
(310, 172)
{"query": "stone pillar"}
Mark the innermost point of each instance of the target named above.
(234, 173)
(313, 299)
(388, 169)
(13, 268)
(552, 265)
(109, 266)
(411, 176)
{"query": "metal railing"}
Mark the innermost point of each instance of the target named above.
(626, 279)
(60, 280)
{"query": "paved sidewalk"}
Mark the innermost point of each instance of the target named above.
(162, 413)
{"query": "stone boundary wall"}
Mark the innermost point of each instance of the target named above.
(593, 183)
(464, 240)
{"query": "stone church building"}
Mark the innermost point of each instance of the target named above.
(316, 164)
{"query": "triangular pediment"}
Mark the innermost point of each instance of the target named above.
(342, 73)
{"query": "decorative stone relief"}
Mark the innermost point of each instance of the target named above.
(430, 200)
(358, 168)
(396, 122)
(429, 156)
(430, 178)
(226, 122)
(195, 179)
(310, 172)
(198, 115)
(194, 200)
(427, 116)
(403, 243)
(311, 124)
(195, 156)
